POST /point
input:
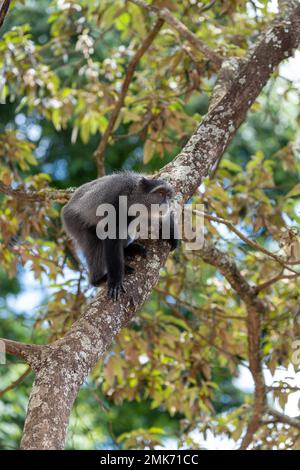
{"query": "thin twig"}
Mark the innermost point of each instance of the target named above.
(274, 279)
(196, 310)
(284, 387)
(207, 7)
(184, 32)
(16, 382)
(50, 194)
(4, 7)
(247, 240)
(283, 418)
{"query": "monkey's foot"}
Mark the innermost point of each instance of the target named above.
(115, 288)
(135, 249)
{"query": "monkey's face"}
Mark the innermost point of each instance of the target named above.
(152, 192)
(149, 204)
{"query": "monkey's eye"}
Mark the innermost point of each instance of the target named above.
(163, 195)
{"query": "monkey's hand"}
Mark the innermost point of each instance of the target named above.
(115, 288)
(135, 249)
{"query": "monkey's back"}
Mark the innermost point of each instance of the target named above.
(105, 190)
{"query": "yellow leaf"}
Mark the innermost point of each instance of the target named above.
(6, 178)
(295, 191)
(148, 151)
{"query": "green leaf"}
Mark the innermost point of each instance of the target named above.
(295, 191)
(229, 165)
(122, 21)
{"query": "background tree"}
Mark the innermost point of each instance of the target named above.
(89, 87)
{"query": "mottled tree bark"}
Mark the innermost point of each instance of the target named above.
(61, 367)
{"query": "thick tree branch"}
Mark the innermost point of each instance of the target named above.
(65, 364)
(184, 32)
(227, 76)
(99, 154)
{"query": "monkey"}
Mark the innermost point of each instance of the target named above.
(106, 257)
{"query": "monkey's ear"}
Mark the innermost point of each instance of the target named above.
(146, 184)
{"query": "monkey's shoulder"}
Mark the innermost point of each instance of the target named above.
(107, 187)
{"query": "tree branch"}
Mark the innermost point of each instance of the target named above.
(283, 418)
(227, 267)
(4, 7)
(99, 153)
(247, 240)
(207, 7)
(15, 383)
(30, 353)
(255, 365)
(255, 308)
(184, 32)
(274, 279)
(48, 194)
